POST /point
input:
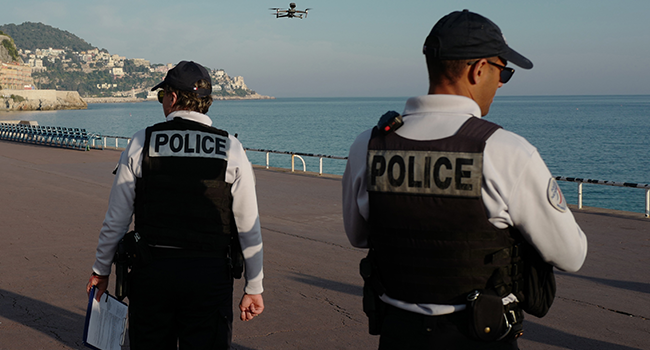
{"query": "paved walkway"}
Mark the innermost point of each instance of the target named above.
(53, 203)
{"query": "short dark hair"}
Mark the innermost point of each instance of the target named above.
(450, 70)
(189, 100)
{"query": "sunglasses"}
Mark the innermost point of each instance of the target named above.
(161, 95)
(506, 72)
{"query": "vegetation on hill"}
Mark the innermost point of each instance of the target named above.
(32, 36)
(10, 48)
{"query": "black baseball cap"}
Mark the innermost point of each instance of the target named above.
(183, 77)
(465, 35)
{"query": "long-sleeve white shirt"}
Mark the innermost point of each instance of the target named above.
(239, 173)
(515, 189)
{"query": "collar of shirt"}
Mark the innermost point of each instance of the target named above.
(191, 115)
(433, 117)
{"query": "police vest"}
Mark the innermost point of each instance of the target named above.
(182, 199)
(430, 235)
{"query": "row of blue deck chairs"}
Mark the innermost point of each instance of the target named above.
(54, 136)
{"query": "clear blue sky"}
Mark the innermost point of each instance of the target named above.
(363, 47)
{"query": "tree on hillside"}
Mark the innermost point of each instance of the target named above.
(32, 36)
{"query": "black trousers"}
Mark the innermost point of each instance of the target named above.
(181, 300)
(403, 330)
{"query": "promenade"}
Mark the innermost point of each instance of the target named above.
(53, 202)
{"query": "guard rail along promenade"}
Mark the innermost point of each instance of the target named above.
(75, 138)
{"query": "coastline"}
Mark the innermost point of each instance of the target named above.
(90, 100)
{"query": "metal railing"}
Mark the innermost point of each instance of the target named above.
(609, 183)
(115, 140)
(101, 141)
(298, 155)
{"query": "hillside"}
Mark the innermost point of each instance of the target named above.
(60, 60)
(8, 51)
(32, 36)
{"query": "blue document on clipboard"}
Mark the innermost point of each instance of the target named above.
(105, 324)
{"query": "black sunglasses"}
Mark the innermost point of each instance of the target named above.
(161, 95)
(506, 72)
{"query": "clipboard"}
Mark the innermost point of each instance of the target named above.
(105, 323)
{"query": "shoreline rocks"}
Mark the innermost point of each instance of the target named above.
(49, 100)
(40, 100)
(133, 100)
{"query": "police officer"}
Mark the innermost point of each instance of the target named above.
(435, 197)
(191, 189)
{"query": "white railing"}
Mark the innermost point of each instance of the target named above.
(298, 155)
(609, 183)
(111, 142)
(120, 142)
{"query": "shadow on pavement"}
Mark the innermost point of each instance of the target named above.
(61, 325)
(549, 336)
(632, 286)
(329, 284)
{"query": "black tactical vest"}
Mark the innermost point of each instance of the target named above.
(182, 199)
(430, 235)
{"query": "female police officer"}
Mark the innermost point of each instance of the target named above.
(191, 189)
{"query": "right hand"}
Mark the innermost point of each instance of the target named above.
(100, 281)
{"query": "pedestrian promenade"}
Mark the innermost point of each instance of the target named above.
(53, 202)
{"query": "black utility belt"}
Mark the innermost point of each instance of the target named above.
(165, 252)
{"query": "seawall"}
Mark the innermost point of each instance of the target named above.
(40, 100)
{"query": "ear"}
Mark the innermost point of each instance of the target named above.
(173, 99)
(477, 71)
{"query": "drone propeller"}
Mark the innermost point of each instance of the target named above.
(275, 8)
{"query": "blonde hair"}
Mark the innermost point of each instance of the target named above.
(188, 100)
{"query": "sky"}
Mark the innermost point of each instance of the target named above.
(363, 48)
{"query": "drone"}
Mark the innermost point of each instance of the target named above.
(291, 12)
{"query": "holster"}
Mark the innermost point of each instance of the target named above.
(121, 271)
(373, 307)
(132, 251)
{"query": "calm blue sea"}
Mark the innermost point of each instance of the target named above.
(596, 137)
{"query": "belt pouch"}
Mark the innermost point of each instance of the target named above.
(485, 312)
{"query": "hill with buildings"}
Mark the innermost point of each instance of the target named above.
(60, 60)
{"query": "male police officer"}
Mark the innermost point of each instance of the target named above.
(435, 198)
(191, 188)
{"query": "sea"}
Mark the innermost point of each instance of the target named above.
(592, 137)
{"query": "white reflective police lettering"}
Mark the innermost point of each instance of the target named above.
(399, 180)
(187, 148)
(412, 181)
(176, 143)
(221, 146)
(190, 143)
(160, 139)
(204, 145)
(424, 172)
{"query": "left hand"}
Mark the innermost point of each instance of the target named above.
(250, 306)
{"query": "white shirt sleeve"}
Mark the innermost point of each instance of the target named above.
(515, 193)
(244, 207)
(120, 204)
(355, 197)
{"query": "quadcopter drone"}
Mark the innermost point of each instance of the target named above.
(291, 12)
